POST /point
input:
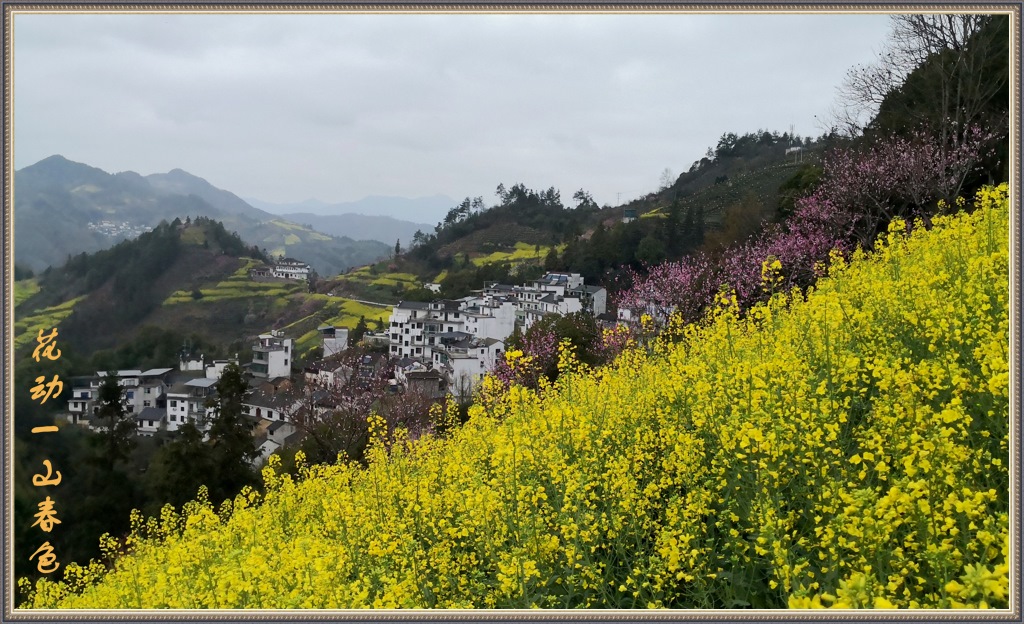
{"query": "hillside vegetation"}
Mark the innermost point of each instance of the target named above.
(844, 447)
(190, 279)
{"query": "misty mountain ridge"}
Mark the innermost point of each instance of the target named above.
(63, 208)
(419, 209)
(361, 226)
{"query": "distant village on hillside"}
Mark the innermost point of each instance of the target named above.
(432, 349)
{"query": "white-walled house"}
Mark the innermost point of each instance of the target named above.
(326, 374)
(83, 394)
(406, 329)
(150, 420)
(333, 339)
(189, 362)
(142, 389)
(177, 405)
(290, 268)
(199, 392)
(271, 356)
(595, 299)
(266, 404)
(497, 320)
(465, 362)
(216, 369)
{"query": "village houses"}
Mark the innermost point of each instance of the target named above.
(434, 348)
(463, 339)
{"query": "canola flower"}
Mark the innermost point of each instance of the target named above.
(843, 447)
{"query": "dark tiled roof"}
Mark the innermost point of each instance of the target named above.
(151, 413)
(430, 374)
(260, 398)
(156, 372)
(274, 426)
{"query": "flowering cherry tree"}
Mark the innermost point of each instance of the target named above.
(861, 191)
(524, 366)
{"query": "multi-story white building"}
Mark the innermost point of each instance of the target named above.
(555, 293)
(142, 389)
(415, 327)
(286, 268)
(152, 385)
(465, 362)
(158, 399)
(406, 329)
(334, 339)
(271, 356)
(290, 268)
(496, 319)
(464, 338)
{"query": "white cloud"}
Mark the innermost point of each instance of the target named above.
(339, 106)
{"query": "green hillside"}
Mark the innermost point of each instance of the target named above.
(189, 279)
(722, 199)
(847, 447)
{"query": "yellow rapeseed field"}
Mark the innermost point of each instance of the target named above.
(845, 447)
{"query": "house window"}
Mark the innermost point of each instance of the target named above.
(130, 394)
(259, 412)
(146, 404)
(150, 422)
(174, 418)
(174, 404)
(147, 390)
(419, 350)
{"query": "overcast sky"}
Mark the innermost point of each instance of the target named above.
(340, 106)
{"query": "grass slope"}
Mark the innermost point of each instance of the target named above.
(23, 289)
(847, 448)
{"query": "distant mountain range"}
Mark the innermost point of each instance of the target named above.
(420, 210)
(360, 226)
(63, 208)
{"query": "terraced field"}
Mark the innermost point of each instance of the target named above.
(364, 283)
(329, 311)
(238, 286)
(522, 251)
(23, 289)
(26, 329)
